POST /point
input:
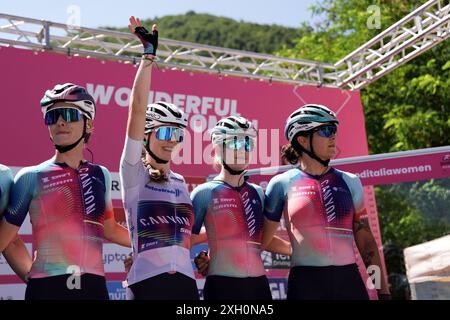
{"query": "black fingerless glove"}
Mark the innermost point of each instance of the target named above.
(149, 40)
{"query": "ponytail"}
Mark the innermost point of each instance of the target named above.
(289, 154)
(292, 152)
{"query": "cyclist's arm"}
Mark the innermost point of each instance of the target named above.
(18, 258)
(7, 233)
(199, 238)
(274, 202)
(364, 238)
(368, 249)
(201, 198)
(21, 194)
(278, 245)
(114, 232)
(139, 97)
(130, 162)
(269, 229)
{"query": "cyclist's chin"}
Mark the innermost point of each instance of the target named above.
(166, 153)
(331, 153)
(63, 140)
(238, 165)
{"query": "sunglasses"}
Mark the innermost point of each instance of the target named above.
(327, 131)
(170, 134)
(68, 114)
(238, 143)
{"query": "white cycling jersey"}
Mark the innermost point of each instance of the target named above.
(159, 217)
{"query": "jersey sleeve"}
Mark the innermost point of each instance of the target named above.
(109, 211)
(22, 192)
(260, 194)
(276, 194)
(201, 198)
(357, 191)
(130, 163)
(6, 181)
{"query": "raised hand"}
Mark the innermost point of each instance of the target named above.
(149, 40)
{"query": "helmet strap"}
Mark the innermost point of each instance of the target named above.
(311, 153)
(231, 171)
(64, 149)
(153, 155)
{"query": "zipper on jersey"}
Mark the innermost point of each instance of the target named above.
(326, 230)
(244, 234)
(173, 266)
(83, 235)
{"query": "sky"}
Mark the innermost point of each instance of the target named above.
(97, 13)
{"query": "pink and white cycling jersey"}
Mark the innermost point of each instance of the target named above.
(319, 212)
(67, 209)
(159, 217)
(233, 217)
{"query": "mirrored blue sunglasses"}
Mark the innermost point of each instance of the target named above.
(236, 143)
(327, 131)
(169, 133)
(68, 114)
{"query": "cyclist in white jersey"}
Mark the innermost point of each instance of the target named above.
(157, 204)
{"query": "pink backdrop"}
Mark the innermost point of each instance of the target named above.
(26, 75)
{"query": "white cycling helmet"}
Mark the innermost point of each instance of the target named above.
(72, 93)
(233, 125)
(306, 118)
(163, 113)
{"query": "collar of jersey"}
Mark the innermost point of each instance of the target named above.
(316, 177)
(65, 165)
(229, 185)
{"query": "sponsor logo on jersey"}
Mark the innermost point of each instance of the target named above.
(88, 194)
(164, 219)
(177, 192)
(250, 218)
(56, 180)
(328, 200)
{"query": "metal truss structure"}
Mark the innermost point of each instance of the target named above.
(419, 31)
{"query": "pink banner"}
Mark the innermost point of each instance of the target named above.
(402, 169)
(206, 98)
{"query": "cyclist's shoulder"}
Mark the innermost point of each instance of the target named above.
(175, 177)
(255, 186)
(347, 176)
(6, 177)
(99, 169)
(4, 168)
(33, 171)
(352, 181)
(285, 178)
(5, 173)
(205, 188)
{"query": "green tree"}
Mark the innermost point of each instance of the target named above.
(223, 32)
(407, 109)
